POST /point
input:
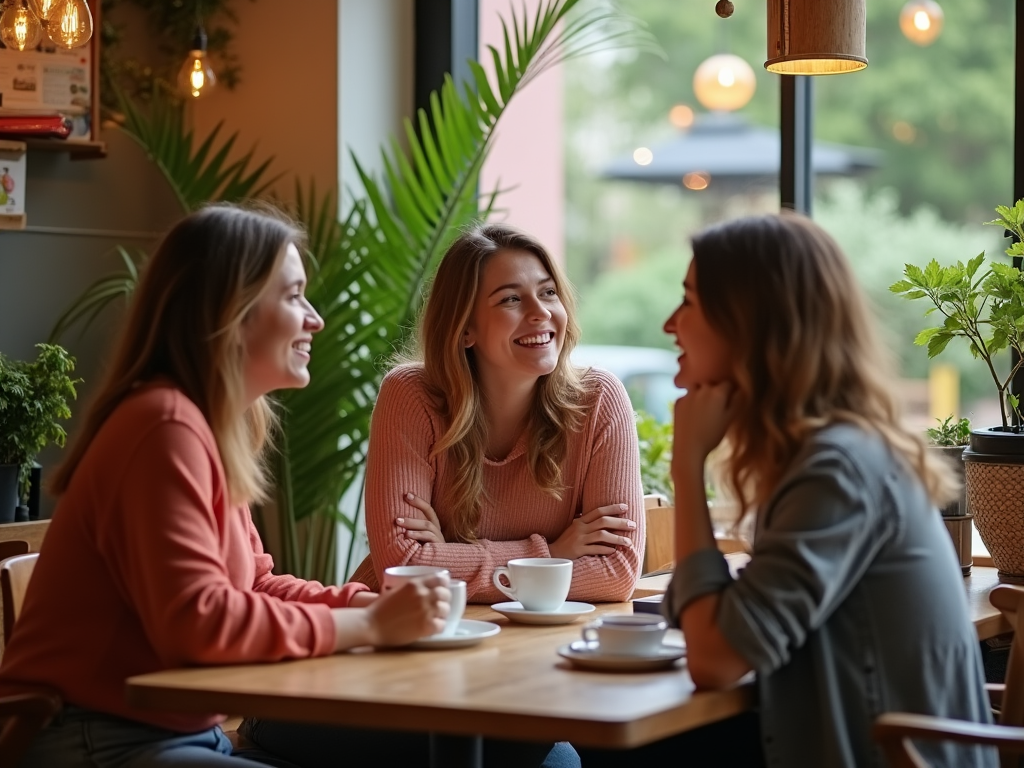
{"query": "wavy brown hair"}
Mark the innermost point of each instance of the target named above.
(451, 378)
(780, 291)
(185, 325)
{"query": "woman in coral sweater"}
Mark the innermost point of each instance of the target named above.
(152, 561)
(491, 445)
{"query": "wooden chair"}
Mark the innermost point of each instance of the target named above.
(15, 573)
(895, 730)
(659, 547)
(12, 548)
(25, 714)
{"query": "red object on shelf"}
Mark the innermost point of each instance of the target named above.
(55, 126)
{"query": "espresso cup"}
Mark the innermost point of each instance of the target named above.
(458, 606)
(626, 634)
(539, 583)
(398, 575)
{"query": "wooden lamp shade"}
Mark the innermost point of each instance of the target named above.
(816, 37)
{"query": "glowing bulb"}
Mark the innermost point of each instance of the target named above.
(643, 156)
(20, 28)
(697, 180)
(44, 8)
(196, 78)
(681, 116)
(921, 21)
(724, 82)
(70, 23)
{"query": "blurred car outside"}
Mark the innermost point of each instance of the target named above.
(646, 372)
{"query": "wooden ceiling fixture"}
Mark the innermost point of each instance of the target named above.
(816, 37)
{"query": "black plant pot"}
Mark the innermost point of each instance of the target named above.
(955, 514)
(994, 471)
(9, 500)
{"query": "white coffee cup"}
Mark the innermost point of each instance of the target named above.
(626, 634)
(458, 607)
(398, 575)
(539, 583)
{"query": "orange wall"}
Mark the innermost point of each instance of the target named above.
(287, 102)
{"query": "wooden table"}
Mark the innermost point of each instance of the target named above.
(512, 686)
(988, 621)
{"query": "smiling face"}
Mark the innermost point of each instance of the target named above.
(517, 326)
(278, 331)
(706, 357)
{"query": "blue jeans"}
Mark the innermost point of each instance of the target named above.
(326, 746)
(80, 738)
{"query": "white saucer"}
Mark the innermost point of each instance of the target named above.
(469, 632)
(567, 613)
(587, 656)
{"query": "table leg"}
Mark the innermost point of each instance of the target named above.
(456, 751)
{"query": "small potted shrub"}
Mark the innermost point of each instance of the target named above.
(33, 400)
(949, 438)
(985, 307)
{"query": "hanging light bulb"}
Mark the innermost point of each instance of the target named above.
(724, 82)
(196, 76)
(921, 21)
(20, 28)
(70, 23)
(44, 9)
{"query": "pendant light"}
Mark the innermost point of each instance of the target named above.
(20, 28)
(69, 23)
(921, 21)
(816, 37)
(44, 9)
(196, 78)
(724, 82)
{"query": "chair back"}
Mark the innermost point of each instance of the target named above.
(15, 573)
(13, 547)
(659, 548)
(1009, 599)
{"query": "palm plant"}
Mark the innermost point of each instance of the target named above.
(368, 270)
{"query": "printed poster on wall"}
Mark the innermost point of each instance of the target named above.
(48, 80)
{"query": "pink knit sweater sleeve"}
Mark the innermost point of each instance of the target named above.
(288, 587)
(167, 549)
(612, 477)
(401, 437)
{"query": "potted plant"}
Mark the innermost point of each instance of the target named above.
(33, 399)
(949, 439)
(987, 309)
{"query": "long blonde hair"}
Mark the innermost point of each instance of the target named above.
(185, 325)
(780, 291)
(451, 378)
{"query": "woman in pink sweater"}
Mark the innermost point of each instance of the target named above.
(152, 561)
(492, 445)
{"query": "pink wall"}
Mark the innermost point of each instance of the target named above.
(527, 155)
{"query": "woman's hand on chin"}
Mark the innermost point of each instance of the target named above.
(599, 532)
(424, 531)
(701, 419)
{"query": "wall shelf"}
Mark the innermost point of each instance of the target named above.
(80, 150)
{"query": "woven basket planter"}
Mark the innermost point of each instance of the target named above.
(994, 469)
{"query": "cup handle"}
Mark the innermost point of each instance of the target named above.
(589, 633)
(508, 591)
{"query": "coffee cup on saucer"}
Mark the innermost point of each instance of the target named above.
(398, 575)
(458, 606)
(539, 583)
(626, 634)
